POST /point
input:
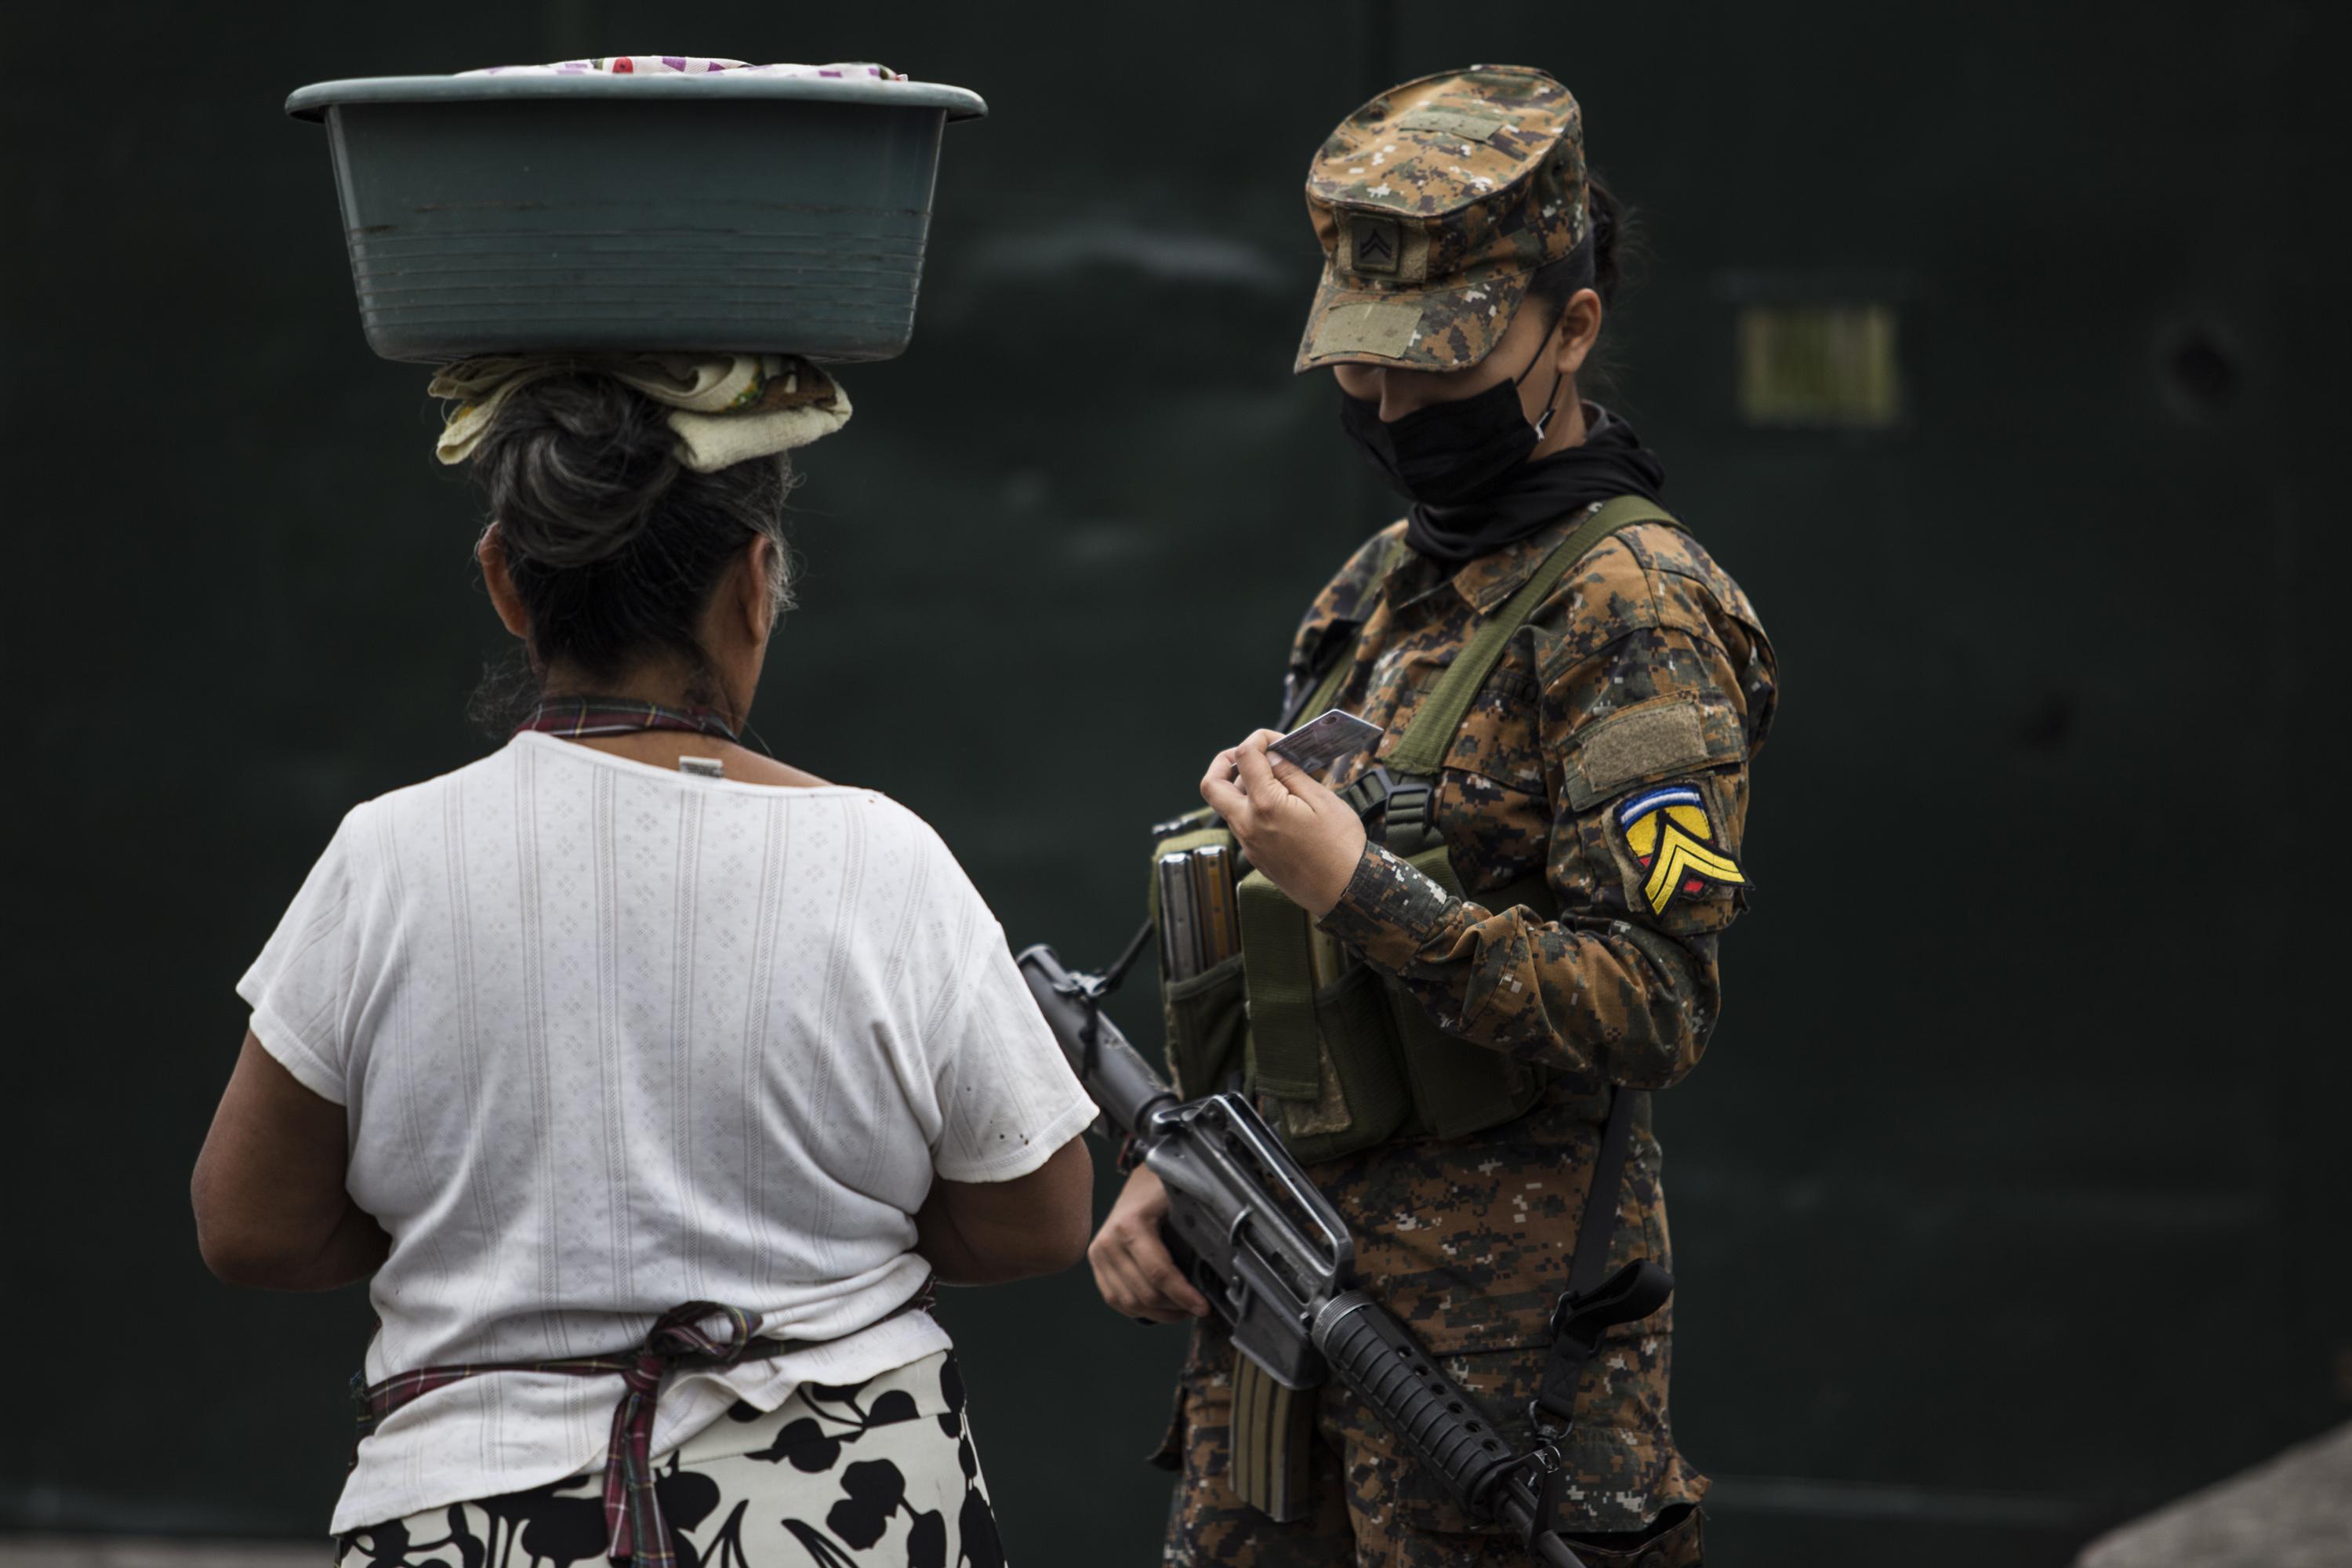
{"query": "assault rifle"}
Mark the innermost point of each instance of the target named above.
(1276, 1260)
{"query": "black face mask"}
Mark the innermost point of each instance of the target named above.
(1449, 452)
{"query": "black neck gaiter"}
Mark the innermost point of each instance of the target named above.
(1609, 462)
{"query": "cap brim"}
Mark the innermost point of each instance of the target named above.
(1452, 327)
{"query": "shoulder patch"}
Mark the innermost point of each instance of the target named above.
(1656, 740)
(1668, 833)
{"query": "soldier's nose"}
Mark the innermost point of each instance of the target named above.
(1395, 399)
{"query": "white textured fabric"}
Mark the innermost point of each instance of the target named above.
(610, 1038)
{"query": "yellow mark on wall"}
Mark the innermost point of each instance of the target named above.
(1819, 366)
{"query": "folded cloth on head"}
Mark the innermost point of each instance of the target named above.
(725, 408)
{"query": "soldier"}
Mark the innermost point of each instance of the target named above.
(1468, 998)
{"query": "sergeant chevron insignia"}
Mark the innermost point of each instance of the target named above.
(1668, 832)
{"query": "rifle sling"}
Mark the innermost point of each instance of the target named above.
(1599, 1226)
(1576, 1334)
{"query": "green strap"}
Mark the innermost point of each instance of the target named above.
(1422, 749)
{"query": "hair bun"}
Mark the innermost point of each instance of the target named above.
(613, 544)
(575, 467)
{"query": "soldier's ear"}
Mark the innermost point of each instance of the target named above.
(1580, 328)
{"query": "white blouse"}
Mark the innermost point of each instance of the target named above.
(609, 1038)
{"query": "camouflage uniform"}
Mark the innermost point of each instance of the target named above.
(1643, 676)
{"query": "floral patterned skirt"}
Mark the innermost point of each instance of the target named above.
(883, 1472)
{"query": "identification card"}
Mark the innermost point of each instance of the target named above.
(1321, 741)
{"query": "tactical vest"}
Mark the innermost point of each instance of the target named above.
(1344, 1057)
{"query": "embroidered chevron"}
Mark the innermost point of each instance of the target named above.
(1667, 830)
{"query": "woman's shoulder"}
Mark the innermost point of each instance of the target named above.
(884, 816)
(886, 825)
(431, 793)
(911, 890)
(470, 791)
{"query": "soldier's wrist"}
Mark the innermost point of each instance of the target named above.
(1388, 909)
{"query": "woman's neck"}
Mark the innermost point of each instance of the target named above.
(671, 686)
(663, 748)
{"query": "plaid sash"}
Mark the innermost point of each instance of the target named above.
(633, 1512)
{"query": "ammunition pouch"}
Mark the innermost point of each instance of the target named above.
(1345, 1058)
(1357, 1060)
(1208, 1029)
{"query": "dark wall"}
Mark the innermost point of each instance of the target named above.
(2011, 1194)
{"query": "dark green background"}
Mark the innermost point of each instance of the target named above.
(2012, 1194)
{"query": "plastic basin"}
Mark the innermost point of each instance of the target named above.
(501, 215)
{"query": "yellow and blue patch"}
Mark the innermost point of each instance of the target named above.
(1667, 830)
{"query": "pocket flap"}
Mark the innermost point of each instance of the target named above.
(1654, 740)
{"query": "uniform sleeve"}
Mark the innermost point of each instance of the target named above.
(1646, 731)
(300, 987)
(1006, 1097)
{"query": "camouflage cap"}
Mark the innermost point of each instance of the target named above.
(1436, 202)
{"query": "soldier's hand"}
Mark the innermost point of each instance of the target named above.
(1132, 1269)
(1294, 830)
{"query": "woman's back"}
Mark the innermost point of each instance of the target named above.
(644, 1096)
(611, 1037)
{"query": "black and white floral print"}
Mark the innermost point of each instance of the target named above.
(878, 1475)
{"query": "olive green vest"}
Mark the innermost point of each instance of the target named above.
(1346, 1058)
